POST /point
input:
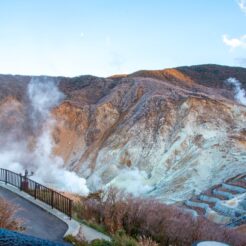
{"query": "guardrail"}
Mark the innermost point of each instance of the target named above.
(38, 191)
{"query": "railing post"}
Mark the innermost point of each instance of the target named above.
(70, 209)
(52, 199)
(35, 191)
(6, 176)
(20, 182)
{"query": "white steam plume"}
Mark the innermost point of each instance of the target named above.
(240, 94)
(43, 95)
(132, 181)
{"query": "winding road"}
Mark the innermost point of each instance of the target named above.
(37, 221)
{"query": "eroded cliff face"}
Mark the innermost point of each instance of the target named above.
(166, 134)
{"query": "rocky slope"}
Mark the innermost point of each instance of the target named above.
(167, 134)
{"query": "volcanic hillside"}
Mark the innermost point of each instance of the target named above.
(167, 133)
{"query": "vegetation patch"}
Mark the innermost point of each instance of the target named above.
(137, 221)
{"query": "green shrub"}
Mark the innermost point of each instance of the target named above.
(121, 239)
(74, 241)
(98, 242)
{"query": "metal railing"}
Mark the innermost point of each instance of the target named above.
(38, 191)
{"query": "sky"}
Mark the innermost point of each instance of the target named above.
(106, 37)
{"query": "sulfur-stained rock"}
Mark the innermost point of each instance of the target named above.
(175, 131)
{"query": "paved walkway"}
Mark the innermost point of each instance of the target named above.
(37, 221)
(73, 227)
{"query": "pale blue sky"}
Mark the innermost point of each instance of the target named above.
(105, 37)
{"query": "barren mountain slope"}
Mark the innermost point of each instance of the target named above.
(167, 133)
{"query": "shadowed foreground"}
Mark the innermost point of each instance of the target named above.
(10, 238)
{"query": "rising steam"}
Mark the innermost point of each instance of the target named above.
(240, 94)
(129, 180)
(132, 181)
(35, 152)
